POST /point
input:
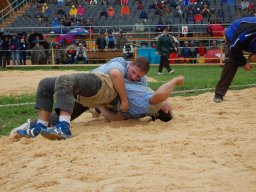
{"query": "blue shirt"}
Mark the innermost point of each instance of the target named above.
(138, 95)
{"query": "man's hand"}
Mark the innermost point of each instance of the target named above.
(166, 107)
(248, 67)
(124, 106)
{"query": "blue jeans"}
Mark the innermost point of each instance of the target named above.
(15, 56)
(78, 58)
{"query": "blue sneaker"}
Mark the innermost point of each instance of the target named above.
(60, 131)
(31, 132)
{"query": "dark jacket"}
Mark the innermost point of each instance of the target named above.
(241, 36)
(101, 42)
(165, 45)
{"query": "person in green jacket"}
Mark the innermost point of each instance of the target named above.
(164, 47)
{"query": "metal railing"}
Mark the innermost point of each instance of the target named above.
(12, 7)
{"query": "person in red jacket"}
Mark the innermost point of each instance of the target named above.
(198, 18)
(201, 49)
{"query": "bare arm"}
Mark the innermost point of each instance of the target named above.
(119, 84)
(110, 115)
(165, 90)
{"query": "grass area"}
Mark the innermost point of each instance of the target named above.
(196, 77)
(200, 77)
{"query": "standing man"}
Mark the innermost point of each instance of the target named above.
(15, 53)
(240, 36)
(101, 42)
(164, 47)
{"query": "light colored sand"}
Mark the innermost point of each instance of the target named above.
(206, 147)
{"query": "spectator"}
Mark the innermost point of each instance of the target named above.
(178, 12)
(80, 11)
(201, 49)
(60, 2)
(73, 11)
(193, 51)
(38, 54)
(138, 27)
(121, 40)
(117, 2)
(47, 13)
(173, 4)
(55, 25)
(111, 11)
(244, 4)
(110, 40)
(220, 15)
(198, 18)
(160, 26)
(93, 2)
(101, 42)
(186, 52)
(81, 40)
(105, 2)
(44, 8)
(103, 13)
(80, 53)
(143, 15)
(125, 10)
(128, 50)
(139, 6)
(180, 58)
(15, 53)
(58, 54)
(5, 48)
(71, 53)
(124, 2)
(1, 52)
(23, 50)
(206, 12)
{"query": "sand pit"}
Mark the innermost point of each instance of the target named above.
(206, 147)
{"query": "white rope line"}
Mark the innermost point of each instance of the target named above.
(209, 89)
(174, 92)
(17, 104)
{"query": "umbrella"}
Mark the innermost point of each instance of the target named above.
(68, 38)
(22, 34)
(32, 38)
(78, 31)
(9, 35)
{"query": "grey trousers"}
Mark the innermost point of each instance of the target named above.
(65, 88)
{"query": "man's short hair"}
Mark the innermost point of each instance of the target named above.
(142, 63)
(163, 116)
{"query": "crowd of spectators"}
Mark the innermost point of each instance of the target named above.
(72, 13)
(161, 13)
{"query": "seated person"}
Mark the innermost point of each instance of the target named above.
(128, 50)
(71, 53)
(186, 52)
(80, 53)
